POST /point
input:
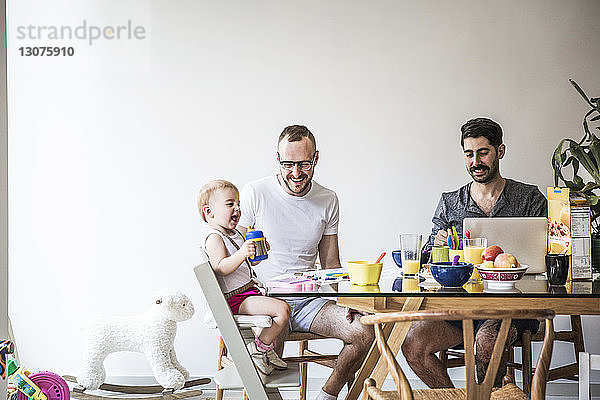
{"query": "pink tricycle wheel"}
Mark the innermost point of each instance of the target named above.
(51, 384)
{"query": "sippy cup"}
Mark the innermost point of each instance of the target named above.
(261, 247)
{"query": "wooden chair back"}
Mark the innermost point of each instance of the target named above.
(474, 389)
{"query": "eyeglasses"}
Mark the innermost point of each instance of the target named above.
(302, 165)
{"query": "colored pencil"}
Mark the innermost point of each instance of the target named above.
(455, 236)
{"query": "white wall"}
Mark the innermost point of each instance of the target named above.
(108, 148)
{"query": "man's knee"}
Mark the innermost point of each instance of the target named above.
(363, 336)
(413, 346)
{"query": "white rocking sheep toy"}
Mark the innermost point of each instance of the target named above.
(151, 333)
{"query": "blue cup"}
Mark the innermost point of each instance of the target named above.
(261, 247)
(397, 257)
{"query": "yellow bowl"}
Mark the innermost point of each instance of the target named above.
(364, 273)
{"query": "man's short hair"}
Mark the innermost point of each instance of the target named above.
(485, 127)
(209, 189)
(295, 133)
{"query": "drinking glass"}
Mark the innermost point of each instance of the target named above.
(473, 249)
(411, 253)
(557, 268)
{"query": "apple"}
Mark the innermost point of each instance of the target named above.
(506, 260)
(487, 264)
(491, 252)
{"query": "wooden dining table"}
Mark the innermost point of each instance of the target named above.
(418, 293)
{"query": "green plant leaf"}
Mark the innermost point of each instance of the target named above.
(586, 154)
(585, 160)
(578, 183)
(593, 200)
(594, 150)
(574, 161)
(586, 126)
(558, 157)
(570, 185)
(589, 187)
(581, 92)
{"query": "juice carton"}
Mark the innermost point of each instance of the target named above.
(569, 230)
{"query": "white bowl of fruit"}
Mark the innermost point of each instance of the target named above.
(499, 269)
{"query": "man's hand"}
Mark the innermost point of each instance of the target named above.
(441, 238)
(350, 314)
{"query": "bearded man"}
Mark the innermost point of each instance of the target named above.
(300, 219)
(488, 195)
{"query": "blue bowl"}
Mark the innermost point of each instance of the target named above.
(397, 256)
(449, 275)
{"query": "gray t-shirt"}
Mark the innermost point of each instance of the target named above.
(516, 200)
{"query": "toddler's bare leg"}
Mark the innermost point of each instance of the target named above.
(277, 309)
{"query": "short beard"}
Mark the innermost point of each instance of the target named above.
(492, 173)
(285, 180)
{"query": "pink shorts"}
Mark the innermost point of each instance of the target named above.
(236, 300)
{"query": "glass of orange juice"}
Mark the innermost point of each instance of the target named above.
(410, 244)
(472, 250)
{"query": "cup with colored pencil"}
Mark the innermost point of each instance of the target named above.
(455, 245)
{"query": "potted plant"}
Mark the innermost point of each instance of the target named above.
(586, 154)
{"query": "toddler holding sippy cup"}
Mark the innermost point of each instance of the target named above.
(219, 205)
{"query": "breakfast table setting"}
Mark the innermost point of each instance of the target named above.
(480, 275)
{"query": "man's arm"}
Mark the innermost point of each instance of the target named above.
(329, 252)
(439, 235)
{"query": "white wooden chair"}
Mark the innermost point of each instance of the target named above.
(587, 362)
(235, 367)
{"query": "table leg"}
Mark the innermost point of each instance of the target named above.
(378, 370)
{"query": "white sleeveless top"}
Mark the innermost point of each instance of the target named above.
(240, 276)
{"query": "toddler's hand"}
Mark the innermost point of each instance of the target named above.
(248, 249)
(267, 244)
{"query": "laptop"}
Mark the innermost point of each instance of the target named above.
(524, 237)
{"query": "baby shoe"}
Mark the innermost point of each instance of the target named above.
(259, 358)
(275, 360)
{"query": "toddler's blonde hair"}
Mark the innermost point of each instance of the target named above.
(209, 189)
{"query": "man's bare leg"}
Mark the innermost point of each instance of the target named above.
(331, 322)
(485, 338)
(424, 339)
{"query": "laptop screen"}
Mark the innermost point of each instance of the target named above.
(523, 237)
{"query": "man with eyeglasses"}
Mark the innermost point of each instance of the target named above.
(300, 219)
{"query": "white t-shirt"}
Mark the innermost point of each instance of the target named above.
(292, 225)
